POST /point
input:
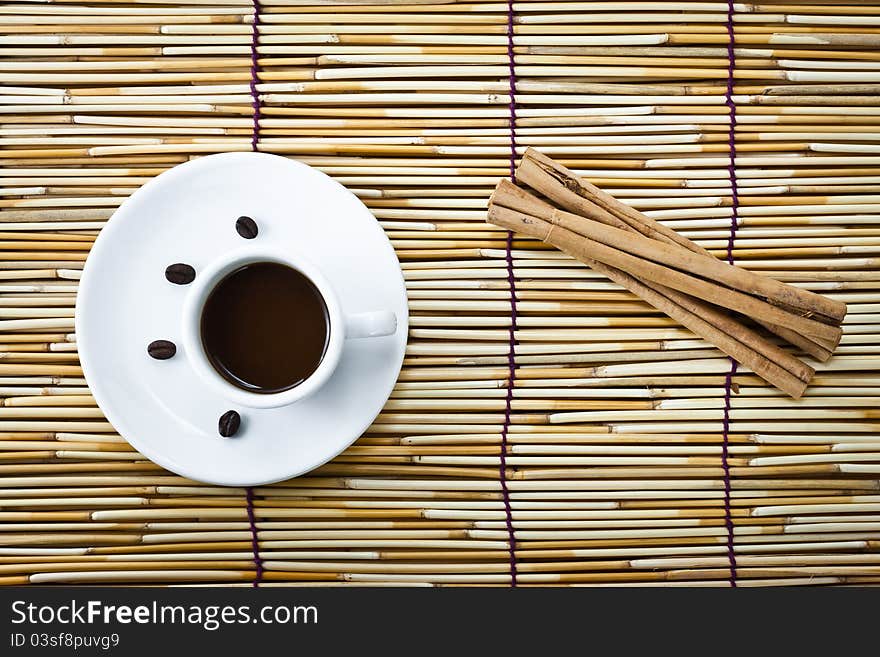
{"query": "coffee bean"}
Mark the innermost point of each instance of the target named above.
(246, 227)
(180, 273)
(229, 423)
(161, 349)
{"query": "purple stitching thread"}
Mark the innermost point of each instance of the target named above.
(734, 224)
(255, 137)
(255, 542)
(511, 64)
(731, 135)
(255, 75)
(725, 465)
(511, 280)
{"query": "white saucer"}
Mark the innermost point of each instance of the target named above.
(188, 215)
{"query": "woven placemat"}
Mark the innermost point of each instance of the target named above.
(548, 427)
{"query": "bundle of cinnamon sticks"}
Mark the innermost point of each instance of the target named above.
(672, 273)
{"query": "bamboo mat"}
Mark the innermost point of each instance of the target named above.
(548, 428)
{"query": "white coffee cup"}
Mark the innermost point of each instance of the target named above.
(342, 326)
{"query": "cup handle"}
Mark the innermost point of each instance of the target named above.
(370, 325)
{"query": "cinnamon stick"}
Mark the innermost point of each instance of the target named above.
(582, 198)
(671, 272)
(571, 193)
(686, 271)
(681, 307)
(814, 347)
(565, 188)
(534, 227)
(508, 194)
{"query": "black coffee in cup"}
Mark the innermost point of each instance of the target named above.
(265, 327)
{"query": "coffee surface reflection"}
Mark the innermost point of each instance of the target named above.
(265, 327)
